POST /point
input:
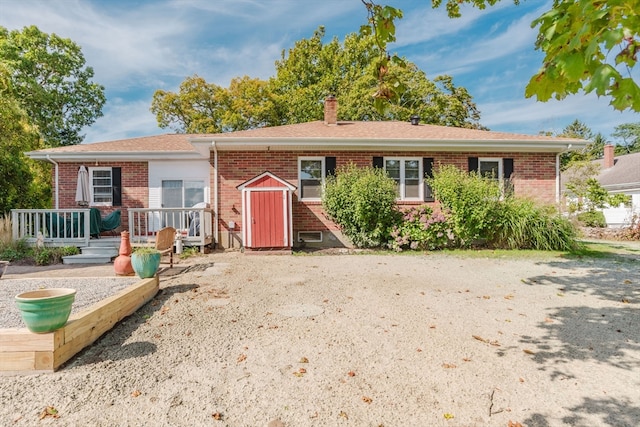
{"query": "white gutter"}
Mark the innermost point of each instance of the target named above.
(57, 205)
(215, 192)
(349, 144)
(558, 183)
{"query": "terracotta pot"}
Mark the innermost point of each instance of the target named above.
(122, 264)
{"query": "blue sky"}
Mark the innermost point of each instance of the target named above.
(139, 46)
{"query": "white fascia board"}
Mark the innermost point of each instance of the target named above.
(114, 156)
(301, 144)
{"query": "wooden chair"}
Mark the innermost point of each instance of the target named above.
(164, 242)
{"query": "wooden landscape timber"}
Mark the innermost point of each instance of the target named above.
(22, 351)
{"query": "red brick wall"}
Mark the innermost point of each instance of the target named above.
(534, 177)
(135, 186)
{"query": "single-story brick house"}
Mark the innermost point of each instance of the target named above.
(269, 180)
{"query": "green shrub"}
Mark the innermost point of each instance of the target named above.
(422, 229)
(53, 255)
(521, 224)
(469, 199)
(362, 202)
(592, 219)
(14, 250)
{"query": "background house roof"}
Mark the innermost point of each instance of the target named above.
(623, 176)
(375, 135)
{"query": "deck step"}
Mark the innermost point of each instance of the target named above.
(100, 250)
(86, 259)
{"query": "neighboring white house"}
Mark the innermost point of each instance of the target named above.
(620, 175)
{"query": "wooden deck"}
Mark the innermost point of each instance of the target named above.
(22, 351)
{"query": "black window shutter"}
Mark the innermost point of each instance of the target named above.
(473, 164)
(378, 162)
(116, 184)
(427, 167)
(507, 168)
(329, 166)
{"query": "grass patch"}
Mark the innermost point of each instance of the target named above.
(586, 250)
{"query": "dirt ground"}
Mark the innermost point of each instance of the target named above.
(360, 340)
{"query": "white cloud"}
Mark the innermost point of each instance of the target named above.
(124, 119)
(530, 116)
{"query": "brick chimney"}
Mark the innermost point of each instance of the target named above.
(608, 156)
(330, 110)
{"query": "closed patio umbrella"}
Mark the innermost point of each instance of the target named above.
(82, 190)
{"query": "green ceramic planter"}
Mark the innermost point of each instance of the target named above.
(145, 264)
(45, 310)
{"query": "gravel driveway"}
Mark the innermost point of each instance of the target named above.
(360, 340)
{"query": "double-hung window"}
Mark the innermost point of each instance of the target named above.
(500, 169)
(311, 175)
(490, 167)
(407, 173)
(101, 186)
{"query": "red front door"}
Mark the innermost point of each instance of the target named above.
(267, 219)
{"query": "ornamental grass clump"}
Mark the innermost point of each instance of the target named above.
(521, 224)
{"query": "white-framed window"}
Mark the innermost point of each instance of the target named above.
(491, 167)
(101, 186)
(311, 175)
(177, 193)
(407, 173)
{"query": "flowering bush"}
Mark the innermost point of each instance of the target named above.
(422, 229)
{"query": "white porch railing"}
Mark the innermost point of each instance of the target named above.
(51, 227)
(194, 225)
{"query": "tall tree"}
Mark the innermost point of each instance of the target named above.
(592, 151)
(305, 75)
(52, 84)
(197, 107)
(589, 46)
(312, 69)
(25, 183)
(629, 133)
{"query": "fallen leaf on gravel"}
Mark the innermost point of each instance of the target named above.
(510, 296)
(136, 393)
(302, 371)
(216, 416)
(343, 415)
(432, 326)
(479, 338)
(242, 358)
(366, 399)
(351, 374)
(486, 297)
(625, 301)
(304, 360)
(419, 350)
(529, 351)
(521, 379)
(512, 424)
(49, 411)
(627, 282)
(449, 365)
(466, 359)
(548, 320)
(448, 416)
